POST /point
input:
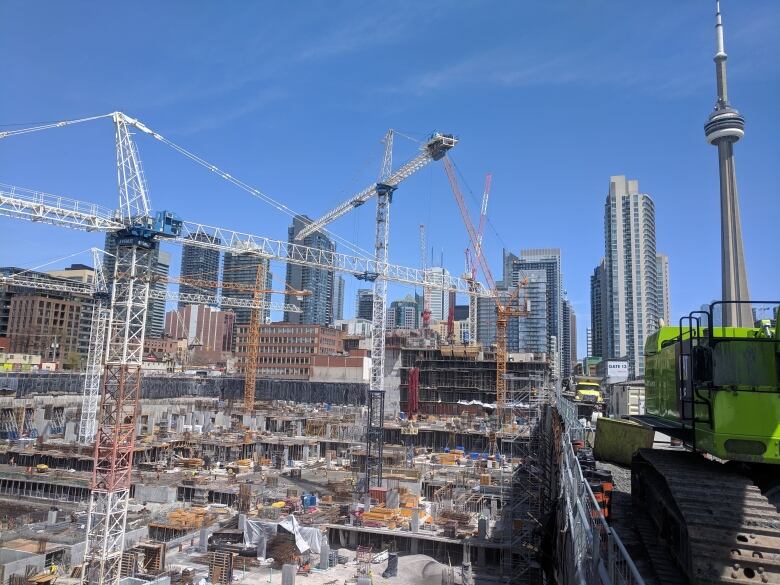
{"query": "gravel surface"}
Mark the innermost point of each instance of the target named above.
(622, 521)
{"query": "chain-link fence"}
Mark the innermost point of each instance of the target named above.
(590, 551)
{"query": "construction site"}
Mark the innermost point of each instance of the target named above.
(444, 467)
(219, 493)
(408, 447)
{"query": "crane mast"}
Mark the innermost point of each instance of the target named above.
(434, 149)
(97, 345)
(426, 312)
(471, 278)
(115, 435)
(376, 389)
(253, 344)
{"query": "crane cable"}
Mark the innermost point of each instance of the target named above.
(60, 124)
(248, 188)
(192, 156)
(49, 263)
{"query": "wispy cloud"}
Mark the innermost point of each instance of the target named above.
(353, 36)
(508, 67)
(648, 64)
(267, 59)
(244, 108)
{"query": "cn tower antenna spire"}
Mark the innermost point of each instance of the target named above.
(720, 59)
(724, 127)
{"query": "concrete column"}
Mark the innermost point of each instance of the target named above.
(324, 555)
(305, 453)
(261, 542)
(482, 526)
(468, 579)
(70, 432)
(288, 574)
(40, 422)
(203, 540)
(393, 499)
(415, 522)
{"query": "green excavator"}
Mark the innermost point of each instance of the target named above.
(713, 503)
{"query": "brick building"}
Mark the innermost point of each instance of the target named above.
(205, 328)
(44, 325)
(287, 350)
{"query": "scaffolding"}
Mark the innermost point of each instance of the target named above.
(526, 478)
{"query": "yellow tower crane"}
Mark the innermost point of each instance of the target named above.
(258, 290)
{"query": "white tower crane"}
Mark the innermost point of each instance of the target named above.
(434, 149)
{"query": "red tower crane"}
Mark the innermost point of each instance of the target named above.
(505, 302)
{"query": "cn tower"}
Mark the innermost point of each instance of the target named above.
(723, 128)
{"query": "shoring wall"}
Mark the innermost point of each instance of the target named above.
(223, 387)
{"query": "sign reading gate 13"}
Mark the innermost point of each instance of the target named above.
(617, 372)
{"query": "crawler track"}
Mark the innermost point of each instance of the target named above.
(717, 525)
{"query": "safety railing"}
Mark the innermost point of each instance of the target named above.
(591, 552)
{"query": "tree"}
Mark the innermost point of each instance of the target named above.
(72, 361)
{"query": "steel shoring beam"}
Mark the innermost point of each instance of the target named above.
(52, 209)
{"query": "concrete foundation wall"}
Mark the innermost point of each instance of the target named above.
(163, 387)
(160, 494)
(14, 562)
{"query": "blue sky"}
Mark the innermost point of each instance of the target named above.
(551, 97)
